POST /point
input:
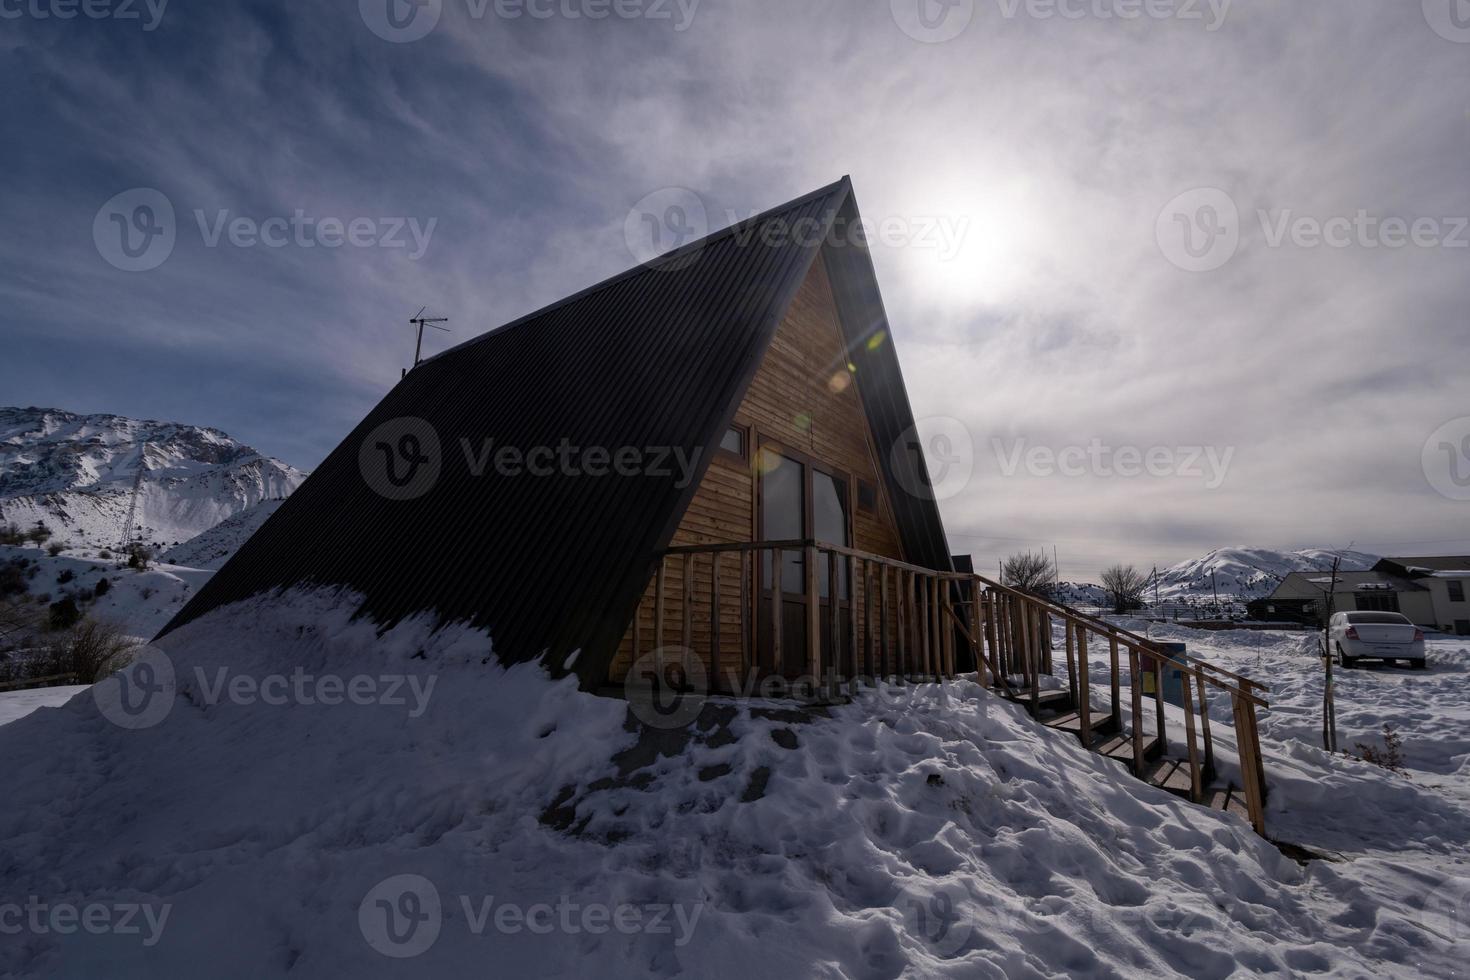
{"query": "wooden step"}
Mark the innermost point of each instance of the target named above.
(1231, 799)
(1047, 700)
(1171, 775)
(1120, 747)
(1072, 722)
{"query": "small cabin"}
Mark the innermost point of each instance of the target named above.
(713, 451)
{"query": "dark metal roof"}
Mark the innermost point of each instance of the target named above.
(657, 360)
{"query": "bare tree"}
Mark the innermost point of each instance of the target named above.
(1124, 585)
(1030, 571)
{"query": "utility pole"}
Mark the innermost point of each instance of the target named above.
(127, 535)
(1329, 696)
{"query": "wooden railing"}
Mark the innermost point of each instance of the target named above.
(888, 619)
(1012, 655)
(883, 617)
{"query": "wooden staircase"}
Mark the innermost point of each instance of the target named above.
(1012, 632)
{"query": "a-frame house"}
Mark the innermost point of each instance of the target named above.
(738, 394)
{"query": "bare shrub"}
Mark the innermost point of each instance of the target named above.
(91, 649)
(1124, 585)
(1030, 571)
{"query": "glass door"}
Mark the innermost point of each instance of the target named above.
(799, 500)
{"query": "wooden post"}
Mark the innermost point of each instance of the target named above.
(1204, 716)
(883, 615)
(1084, 691)
(992, 613)
(1071, 640)
(1135, 676)
(1249, 764)
(745, 618)
(1029, 615)
(834, 613)
(1159, 699)
(922, 624)
(1113, 663)
(868, 619)
(637, 628)
(1196, 788)
(852, 615)
(813, 617)
(777, 664)
(687, 600)
(900, 609)
(714, 620)
(658, 607)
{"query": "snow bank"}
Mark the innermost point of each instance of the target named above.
(18, 704)
(937, 833)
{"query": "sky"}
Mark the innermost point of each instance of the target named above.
(1165, 276)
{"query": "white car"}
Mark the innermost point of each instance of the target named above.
(1385, 636)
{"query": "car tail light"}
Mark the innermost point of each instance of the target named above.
(1352, 633)
(1418, 636)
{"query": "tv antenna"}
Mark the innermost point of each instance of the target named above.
(421, 321)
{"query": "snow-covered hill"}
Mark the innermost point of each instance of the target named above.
(456, 814)
(1247, 573)
(212, 548)
(76, 473)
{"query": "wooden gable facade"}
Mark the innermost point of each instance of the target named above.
(803, 410)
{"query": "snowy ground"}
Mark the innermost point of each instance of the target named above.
(937, 833)
(139, 602)
(18, 704)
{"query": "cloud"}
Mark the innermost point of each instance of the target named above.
(1054, 143)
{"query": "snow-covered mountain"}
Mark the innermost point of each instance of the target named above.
(76, 473)
(1248, 573)
(212, 548)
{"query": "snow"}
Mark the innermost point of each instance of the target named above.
(261, 835)
(140, 602)
(212, 548)
(18, 704)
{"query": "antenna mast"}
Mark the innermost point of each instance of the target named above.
(421, 321)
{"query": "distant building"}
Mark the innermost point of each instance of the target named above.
(1301, 597)
(1446, 580)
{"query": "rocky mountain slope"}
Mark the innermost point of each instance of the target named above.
(77, 472)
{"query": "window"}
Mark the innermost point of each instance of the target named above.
(1381, 602)
(867, 497)
(1457, 591)
(830, 525)
(733, 441)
